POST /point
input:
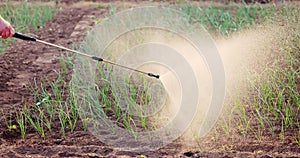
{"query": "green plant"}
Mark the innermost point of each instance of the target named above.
(227, 19)
(62, 119)
(9, 124)
(21, 119)
(297, 135)
(101, 7)
(35, 120)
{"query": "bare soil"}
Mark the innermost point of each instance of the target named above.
(26, 62)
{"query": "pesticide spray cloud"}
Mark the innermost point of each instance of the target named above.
(245, 55)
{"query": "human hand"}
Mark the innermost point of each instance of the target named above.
(6, 30)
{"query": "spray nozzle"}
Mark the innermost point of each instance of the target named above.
(153, 75)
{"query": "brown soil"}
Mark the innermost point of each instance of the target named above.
(26, 62)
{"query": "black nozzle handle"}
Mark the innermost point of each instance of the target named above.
(23, 37)
(153, 75)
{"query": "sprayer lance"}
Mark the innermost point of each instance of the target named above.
(28, 38)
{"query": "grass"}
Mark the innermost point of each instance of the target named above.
(25, 18)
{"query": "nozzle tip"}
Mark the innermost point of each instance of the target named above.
(153, 75)
(97, 58)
